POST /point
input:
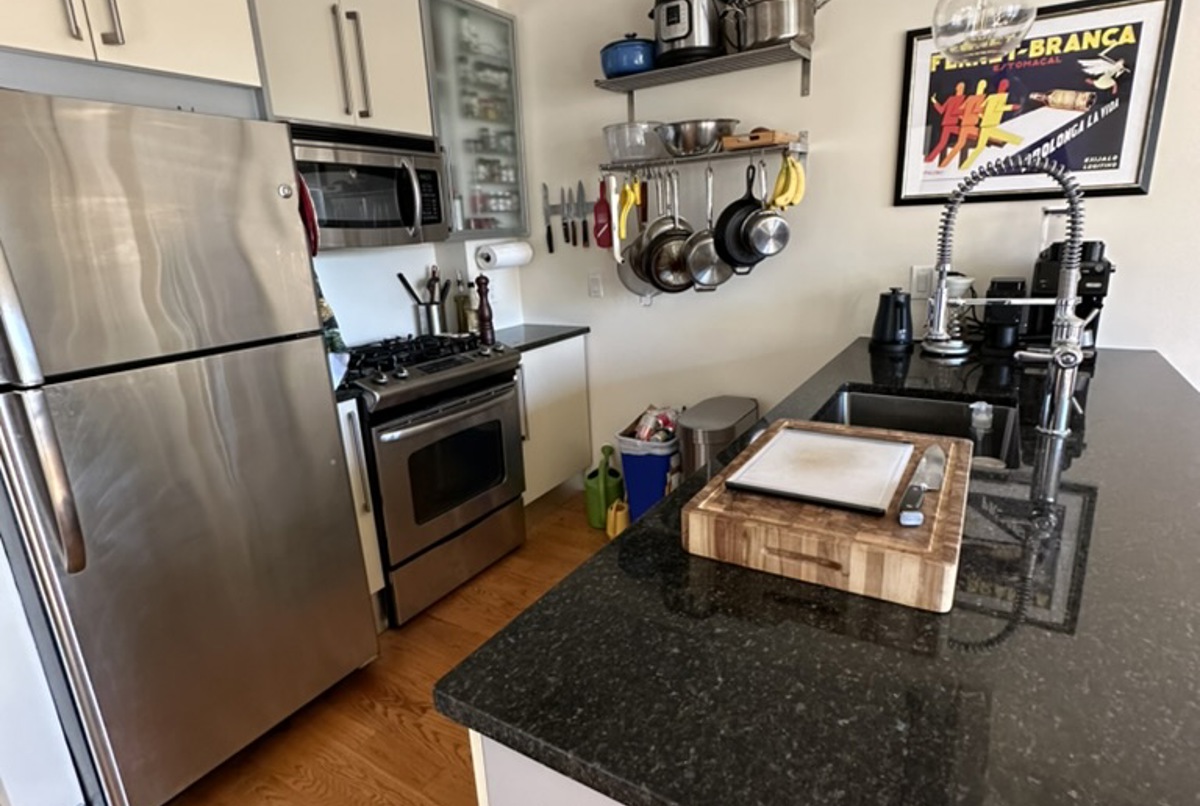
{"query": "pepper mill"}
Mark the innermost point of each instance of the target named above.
(487, 331)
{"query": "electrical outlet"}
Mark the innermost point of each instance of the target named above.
(595, 286)
(921, 282)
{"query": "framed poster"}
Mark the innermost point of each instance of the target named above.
(1085, 89)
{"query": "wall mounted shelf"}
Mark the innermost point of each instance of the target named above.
(747, 60)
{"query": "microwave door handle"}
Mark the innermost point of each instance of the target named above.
(356, 18)
(339, 37)
(417, 225)
(40, 481)
(397, 434)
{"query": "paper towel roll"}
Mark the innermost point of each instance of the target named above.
(504, 255)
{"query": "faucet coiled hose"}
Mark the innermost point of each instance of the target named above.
(1018, 166)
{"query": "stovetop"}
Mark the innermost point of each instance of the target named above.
(398, 371)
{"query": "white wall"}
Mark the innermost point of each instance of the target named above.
(762, 335)
(371, 304)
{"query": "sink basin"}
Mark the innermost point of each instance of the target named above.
(944, 417)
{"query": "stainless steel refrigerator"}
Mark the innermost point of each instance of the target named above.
(172, 469)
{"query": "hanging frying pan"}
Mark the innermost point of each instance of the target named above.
(728, 234)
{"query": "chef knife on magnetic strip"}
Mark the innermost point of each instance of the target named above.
(928, 476)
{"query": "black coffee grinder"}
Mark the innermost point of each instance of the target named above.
(1095, 274)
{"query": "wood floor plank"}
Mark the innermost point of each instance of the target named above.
(375, 738)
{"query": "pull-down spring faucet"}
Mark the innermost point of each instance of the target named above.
(1066, 349)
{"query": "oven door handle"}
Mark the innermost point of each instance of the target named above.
(449, 417)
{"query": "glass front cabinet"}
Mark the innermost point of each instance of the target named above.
(472, 54)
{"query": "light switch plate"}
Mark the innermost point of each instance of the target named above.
(921, 282)
(595, 286)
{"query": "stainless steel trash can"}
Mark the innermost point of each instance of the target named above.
(708, 427)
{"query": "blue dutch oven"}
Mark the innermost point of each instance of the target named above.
(627, 56)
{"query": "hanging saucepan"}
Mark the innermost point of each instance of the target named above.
(700, 253)
(662, 222)
(663, 258)
(766, 232)
(731, 246)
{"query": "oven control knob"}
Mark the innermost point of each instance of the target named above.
(485, 351)
(379, 379)
(499, 348)
(400, 374)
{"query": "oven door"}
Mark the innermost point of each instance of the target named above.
(441, 471)
(363, 198)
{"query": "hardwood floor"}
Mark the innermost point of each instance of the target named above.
(376, 738)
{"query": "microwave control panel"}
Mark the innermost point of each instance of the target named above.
(431, 197)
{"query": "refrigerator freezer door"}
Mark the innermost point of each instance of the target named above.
(131, 234)
(224, 585)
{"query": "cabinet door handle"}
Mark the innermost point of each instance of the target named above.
(72, 20)
(523, 404)
(356, 18)
(360, 461)
(117, 35)
(339, 38)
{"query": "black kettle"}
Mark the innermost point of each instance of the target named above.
(893, 331)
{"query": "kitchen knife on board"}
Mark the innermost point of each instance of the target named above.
(546, 214)
(572, 212)
(581, 200)
(565, 212)
(930, 472)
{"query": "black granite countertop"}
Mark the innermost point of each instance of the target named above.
(659, 678)
(530, 337)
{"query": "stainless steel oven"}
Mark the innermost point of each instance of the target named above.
(444, 456)
(370, 189)
(441, 470)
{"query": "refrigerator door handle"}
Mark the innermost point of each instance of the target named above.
(68, 533)
(18, 360)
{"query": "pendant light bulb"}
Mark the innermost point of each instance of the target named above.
(969, 30)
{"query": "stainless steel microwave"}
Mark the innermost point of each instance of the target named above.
(372, 189)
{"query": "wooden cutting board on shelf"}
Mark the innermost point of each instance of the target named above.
(860, 553)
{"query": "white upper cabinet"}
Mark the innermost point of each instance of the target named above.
(59, 27)
(354, 63)
(210, 39)
(389, 52)
(306, 67)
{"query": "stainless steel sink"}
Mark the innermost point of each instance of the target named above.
(925, 415)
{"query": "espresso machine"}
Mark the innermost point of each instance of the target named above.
(1096, 272)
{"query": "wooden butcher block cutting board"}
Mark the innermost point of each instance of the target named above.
(870, 555)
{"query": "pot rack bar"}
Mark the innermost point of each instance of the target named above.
(798, 149)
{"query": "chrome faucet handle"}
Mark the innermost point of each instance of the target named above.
(1034, 356)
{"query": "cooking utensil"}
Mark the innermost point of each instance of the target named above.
(569, 213)
(634, 141)
(546, 213)
(765, 231)
(728, 232)
(687, 138)
(563, 212)
(663, 222)
(769, 22)
(581, 212)
(628, 200)
(928, 476)
(664, 256)
(627, 56)
(613, 197)
(445, 292)
(602, 218)
(412, 292)
(700, 253)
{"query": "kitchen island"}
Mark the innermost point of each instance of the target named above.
(1068, 671)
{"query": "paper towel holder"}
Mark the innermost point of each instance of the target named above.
(503, 255)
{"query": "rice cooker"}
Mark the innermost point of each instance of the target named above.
(686, 31)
